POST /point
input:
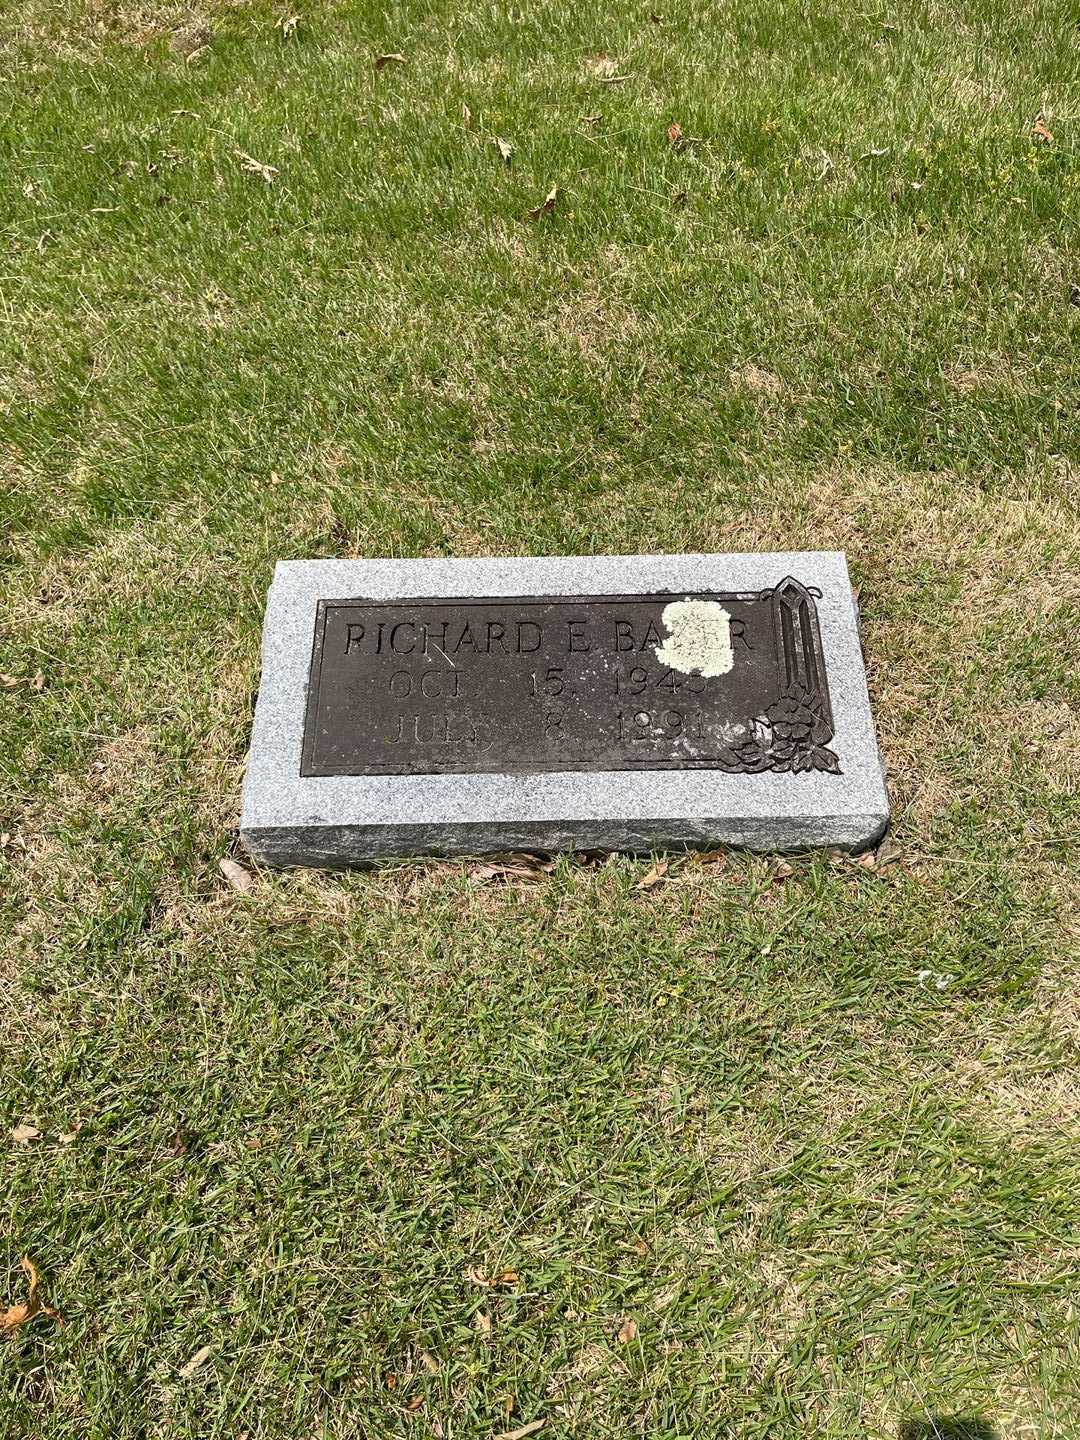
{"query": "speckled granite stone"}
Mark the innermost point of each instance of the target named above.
(342, 820)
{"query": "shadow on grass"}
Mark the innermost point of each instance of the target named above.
(949, 1427)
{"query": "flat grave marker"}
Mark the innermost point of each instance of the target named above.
(609, 702)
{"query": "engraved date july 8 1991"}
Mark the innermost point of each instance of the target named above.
(713, 680)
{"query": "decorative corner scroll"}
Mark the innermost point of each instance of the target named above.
(792, 734)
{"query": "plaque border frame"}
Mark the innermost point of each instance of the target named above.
(791, 735)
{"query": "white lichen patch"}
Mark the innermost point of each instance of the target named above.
(699, 638)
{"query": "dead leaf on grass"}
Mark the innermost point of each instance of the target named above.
(466, 115)
(1040, 131)
(527, 869)
(654, 876)
(711, 857)
(548, 206)
(505, 1278)
(485, 874)
(251, 166)
(198, 1359)
(627, 1331)
(522, 1430)
(505, 149)
(35, 682)
(781, 870)
(429, 1362)
(16, 1315)
(483, 1322)
(23, 1134)
(239, 878)
(393, 58)
(414, 1405)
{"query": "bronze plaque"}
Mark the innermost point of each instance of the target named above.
(709, 680)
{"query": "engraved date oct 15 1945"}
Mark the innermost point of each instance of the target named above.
(633, 681)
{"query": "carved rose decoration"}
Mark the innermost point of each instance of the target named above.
(789, 736)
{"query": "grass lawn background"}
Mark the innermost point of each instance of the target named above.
(816, 1136)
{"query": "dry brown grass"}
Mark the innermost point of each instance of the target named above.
(757, 380)
(595, 321)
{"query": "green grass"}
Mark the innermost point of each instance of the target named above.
(817, 1136)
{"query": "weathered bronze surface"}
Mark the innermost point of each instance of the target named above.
(564, 683)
